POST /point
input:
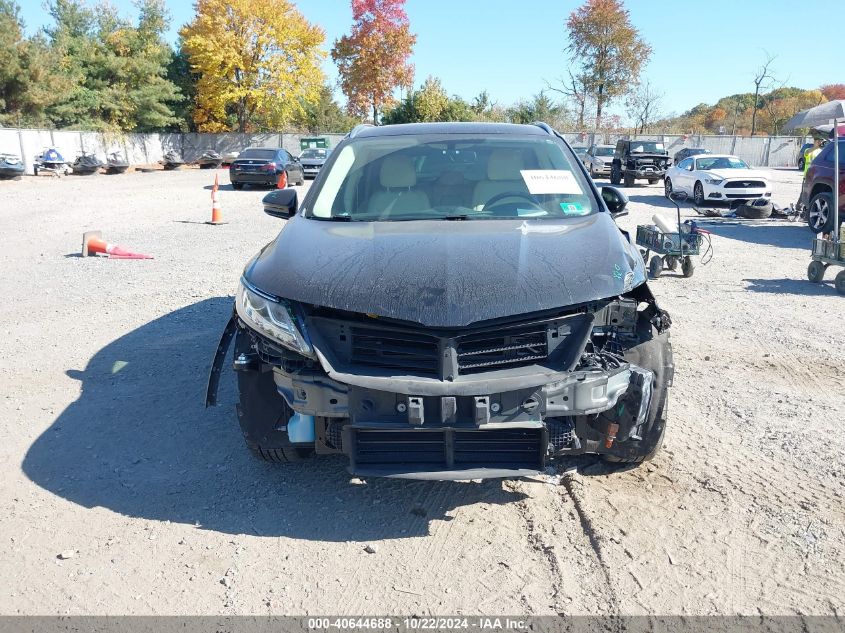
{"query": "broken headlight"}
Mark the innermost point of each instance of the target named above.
(272, 318)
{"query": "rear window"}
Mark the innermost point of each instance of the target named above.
(451, 176)
(314, 153)
(264, 154)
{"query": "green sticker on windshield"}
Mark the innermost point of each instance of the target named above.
(573, 208)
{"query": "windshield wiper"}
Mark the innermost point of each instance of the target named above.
(455, 217)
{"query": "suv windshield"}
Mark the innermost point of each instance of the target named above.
(265, 154)
(604, 151)
(646, 147)
(314, 153)
(451, 177)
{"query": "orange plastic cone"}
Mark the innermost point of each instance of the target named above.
(94, 244)
(283, 180)
(216, 213)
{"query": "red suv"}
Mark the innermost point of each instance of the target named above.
(817, 191)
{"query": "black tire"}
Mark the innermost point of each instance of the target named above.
(820, 213)
(801, 164)
(667, 188)
(839, 282)
(755, 211)
(671, 262)
(35, 170)
(688, 266)
(262, 411)
(615, 175)
(655, 267)
(237, 186)
(629, 180)
(698, 194)
(815, 271)
(655, 354)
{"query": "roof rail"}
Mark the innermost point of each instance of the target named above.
(358, 128)
(545, 127)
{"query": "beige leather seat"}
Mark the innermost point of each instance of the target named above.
(503, 175)
(398, 177)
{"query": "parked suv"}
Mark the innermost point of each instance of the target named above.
(599, 159)
(817, 190)
(638, 160)
(449, 301)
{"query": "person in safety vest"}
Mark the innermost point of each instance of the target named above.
(811, 153)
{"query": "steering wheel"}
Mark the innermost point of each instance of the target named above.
(513, 194)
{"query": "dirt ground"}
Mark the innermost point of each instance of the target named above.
(110, 460)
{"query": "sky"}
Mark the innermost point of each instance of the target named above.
(702, 51)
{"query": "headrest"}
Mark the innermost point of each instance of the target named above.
(504, 165)
(397, 172)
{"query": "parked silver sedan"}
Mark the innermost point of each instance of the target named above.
(598, 160)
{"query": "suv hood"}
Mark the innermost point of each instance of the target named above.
(448, 273)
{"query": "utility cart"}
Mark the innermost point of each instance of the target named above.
(827, 253)
(670, 249)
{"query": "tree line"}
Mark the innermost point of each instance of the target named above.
(256, 65)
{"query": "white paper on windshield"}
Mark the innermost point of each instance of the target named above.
(552, 181)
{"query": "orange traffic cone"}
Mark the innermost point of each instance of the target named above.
(216, 213)
(283, 180)
(94, 244)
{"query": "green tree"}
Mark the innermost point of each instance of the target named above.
(324, 115)
(118, 71)
(29, 82)
(607, 50)
(539, 108)
(429, 104)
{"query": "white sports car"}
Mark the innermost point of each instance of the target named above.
(717, 178)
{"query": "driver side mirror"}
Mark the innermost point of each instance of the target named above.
(281, 203)
(615, 200)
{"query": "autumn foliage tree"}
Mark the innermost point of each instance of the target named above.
(257, 62)
(833, 92)
(606, 49)
(373, 59)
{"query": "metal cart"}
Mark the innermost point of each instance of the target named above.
(670, 249)
(827, 253)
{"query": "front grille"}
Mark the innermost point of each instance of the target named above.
(397, 350)
(367, 346)
(441, 449)
(506, 347)
(745, 184)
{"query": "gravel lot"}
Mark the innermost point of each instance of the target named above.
(111, 461)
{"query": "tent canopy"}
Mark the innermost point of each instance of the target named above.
(820, 115)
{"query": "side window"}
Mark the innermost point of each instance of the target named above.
(686, 164)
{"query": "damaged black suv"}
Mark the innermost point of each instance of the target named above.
(449, 301)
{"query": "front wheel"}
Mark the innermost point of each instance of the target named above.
(615, 176)
(819, 213)
(839, 282)
(815, 271)
(655, 267)
(237, 186)
(263, 414)
(667, 188)
(698, 194)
